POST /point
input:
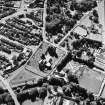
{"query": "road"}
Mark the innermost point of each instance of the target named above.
(19, 12)
(15, 73)
(102, 87)
(79, 22)
(44, 20)
(5, 82)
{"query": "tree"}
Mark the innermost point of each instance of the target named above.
(40, 82)
(72, 78)
(52, 51)
(88, 102)
(91, 17)
(48, 18)
(1, 90)
(33, 94)
(9, 100)
(56, 81)
(95, 13)
(20, 57)
(22, 96)
(1, 99)
(64, 62)
(67, 91)
(76, 44)
(15, 62)
(96, 20)
(68, 14)
(42, 92)
(75, 90)
(71, 22)
(57, 9)
(71, 7)
(77, 15)
(19, 98)
(42, 65)
(90, 96)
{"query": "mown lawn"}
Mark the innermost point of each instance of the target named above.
(28, 102)
(91, 80)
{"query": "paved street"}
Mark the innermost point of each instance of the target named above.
(36, 24)
(5, 82)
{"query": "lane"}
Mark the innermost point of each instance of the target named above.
(19, 12)
(79, 22)
(23, 67)
(5, 82)
(102, 88)
(44, 20)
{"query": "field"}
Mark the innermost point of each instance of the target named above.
(28, 102)
(24, 76)
(33, 64)
(91, 80)
(86, 21)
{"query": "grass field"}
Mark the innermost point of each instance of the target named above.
(24, 76)
(28, 102)
(86, 22)
(91, 80)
